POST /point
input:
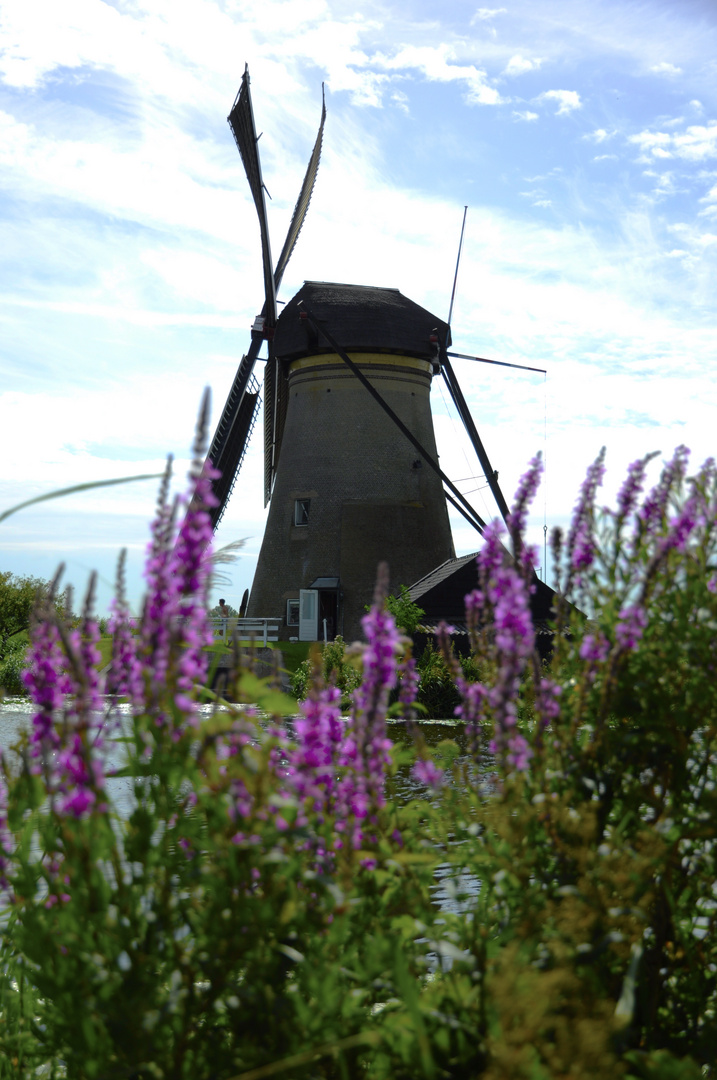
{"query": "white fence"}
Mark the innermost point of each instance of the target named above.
(260, 630)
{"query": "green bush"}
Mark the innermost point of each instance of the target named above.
(334, 664)
(11, 666)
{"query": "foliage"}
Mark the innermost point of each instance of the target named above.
(17, 599)
(12, 663)
(334, 665)
(406, 614)
(257, 907)
(438, 694)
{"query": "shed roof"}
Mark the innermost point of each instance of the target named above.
(362, 318)
(442, 592)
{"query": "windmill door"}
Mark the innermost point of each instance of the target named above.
(308, 615)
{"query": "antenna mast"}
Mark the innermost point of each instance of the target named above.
(458, 262)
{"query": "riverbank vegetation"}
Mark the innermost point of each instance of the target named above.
(543, 906)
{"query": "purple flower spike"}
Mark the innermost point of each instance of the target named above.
(507, 595)
(191, 567)
(47, 683)
(579, 546)
(125, 672)
(518, 519)
(318, 737)
(364, 753)
(654, 507)
(632, 486)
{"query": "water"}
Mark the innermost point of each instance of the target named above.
(16, 717)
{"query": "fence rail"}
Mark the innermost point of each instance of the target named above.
(261, 630)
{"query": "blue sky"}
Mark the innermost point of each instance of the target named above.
(582, 136)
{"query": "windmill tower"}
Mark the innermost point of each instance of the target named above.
(350, 465)
(349, 488)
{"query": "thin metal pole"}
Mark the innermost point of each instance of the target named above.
(458, 261)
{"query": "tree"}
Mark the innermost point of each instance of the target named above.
(407, 614)
(17, 599)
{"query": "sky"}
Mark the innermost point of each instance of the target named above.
(581, 136)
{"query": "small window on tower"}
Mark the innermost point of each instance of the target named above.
(301, 511)
(292, 612)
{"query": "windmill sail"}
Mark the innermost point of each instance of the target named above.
(302, 203)
(275, 385)
(241, 121)
(239, 414)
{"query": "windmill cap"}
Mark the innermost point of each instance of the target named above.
(361, 318)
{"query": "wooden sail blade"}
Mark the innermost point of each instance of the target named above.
(302, 203)
(231, 439)
(241, 121)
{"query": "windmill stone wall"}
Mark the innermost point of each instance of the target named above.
(350, 489)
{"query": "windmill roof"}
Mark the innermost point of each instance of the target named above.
(362, 318)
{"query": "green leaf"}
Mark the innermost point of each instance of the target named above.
(77, 488)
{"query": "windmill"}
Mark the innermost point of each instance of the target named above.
(351, 469)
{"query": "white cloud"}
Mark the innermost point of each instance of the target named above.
(567, 100)
(697, 143)
(525, 115)
(485, 14)
(664, 68)
(519, 65)
(434, 64)
(600, 135)
(606, 157)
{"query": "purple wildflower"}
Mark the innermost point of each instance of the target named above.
(681, 526)
(654, 507)
(364, 753)
(428, 773)
(632, 486)
(62, 679)
(47, 683)
(629, 629)
(125, 672)
(175, 626)
(594, 648)
(191, 567)
(318, 736)
(507, 595)
(547, 701)
(580, 545)
(518, 518)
